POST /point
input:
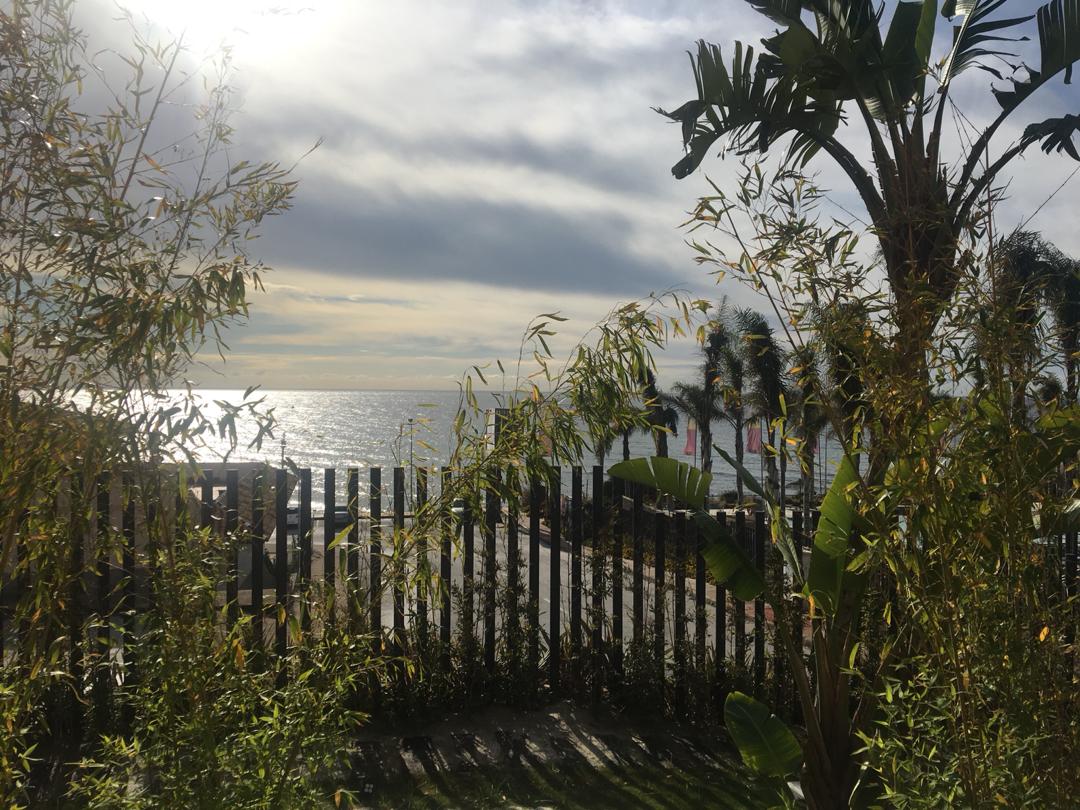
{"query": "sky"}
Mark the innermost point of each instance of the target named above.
(482, 162)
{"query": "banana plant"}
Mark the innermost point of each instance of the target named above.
(825, 764)
(835, 60)
(833, 583)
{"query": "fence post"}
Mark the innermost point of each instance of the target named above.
(738, 606)
(329, 533)
(258, 537)
(399, 560)
(232, 508)
(375, 552)
(76, 604)
(680, 613)
(352, 553)
(491, 569)
(555, 590)
(536, 498)
(597, 559)
(637, 519)
(721, 613)
(576, 534)
(701, 619)
(304, 575)
(513, 560)
(445, 573)
(129, 614)
(103, 629)
(660, 575)
(281, 564)
(759, 604)
(468, 588)
(617, 490)
(423, 577)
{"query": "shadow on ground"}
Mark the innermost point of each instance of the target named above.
(562, 757)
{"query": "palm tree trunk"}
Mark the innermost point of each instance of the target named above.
(706, 446)
(626, 445)
(783, 469)
(739, 453)
(1070, 368)
(770, 464)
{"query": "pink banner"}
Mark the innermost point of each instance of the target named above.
(753, 439)
(691, 438)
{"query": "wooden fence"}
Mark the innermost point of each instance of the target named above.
(571, 585)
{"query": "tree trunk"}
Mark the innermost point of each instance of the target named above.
(739, 453)
(626, 445)
(706, 446)
(770, 464)
(783, 470)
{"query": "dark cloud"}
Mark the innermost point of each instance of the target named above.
(459, 239)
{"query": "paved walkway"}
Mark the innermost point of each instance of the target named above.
(560, 757)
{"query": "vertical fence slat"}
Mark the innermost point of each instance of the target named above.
(281, 561)
(555, 579)
(329, 533)
(206, 501)
(638, 529)
(492, 506)
(759, 604)
(680, 613)
(128, 552)
(399, 560)
(305, 527)
(445, 572)
(617, 491)
(232, 514)
(258, 537)
(103, 630)
(352, 551)
(468, 573)
(576, 535)
(799, 605)
(375, 552)
(597, 559)
(513, 561)
(738, 606)
(76, 600)
(659, 564)
(128, 598)
(720, 623)
(701, 621)
(535, 506)
(423, 578)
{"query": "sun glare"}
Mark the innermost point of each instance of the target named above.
(254, 26)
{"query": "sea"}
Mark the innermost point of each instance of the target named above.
(340, 429)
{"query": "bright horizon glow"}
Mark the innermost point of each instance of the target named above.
(260, 28)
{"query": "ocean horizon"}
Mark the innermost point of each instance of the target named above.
(340, 428)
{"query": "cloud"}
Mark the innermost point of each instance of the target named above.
(484, 162)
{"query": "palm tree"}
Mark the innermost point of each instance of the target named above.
(813, 73)
(765, 363)
(726, 343)
(702, 405)
(1031, 272)
(1063, 301)
(812, 417)
(841, 330)
(662, 418)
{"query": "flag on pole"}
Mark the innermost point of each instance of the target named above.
(691, 438)
(753, 438)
